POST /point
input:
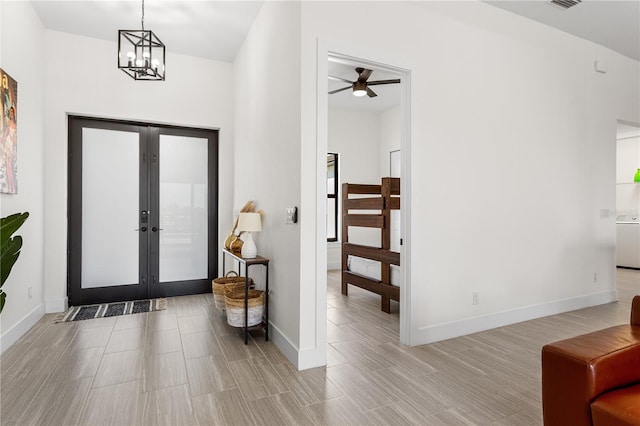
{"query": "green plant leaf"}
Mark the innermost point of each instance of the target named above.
(9, 247)
(10, 224)
(9, 253)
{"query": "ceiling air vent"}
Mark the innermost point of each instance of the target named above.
(565, 4)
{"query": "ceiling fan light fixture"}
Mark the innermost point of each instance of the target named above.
(359, 88)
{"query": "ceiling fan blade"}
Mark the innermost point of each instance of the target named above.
(339, 90)
(365, 74)
(371, 93)
(378, 82)
(340, 79)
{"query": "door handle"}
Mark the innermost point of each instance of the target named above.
(154, 229)
(143, 229)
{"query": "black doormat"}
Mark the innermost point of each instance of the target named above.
(79, 313)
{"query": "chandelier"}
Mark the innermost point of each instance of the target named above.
(141, 53)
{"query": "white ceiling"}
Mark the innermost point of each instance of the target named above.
(610, 23)
(208, 29)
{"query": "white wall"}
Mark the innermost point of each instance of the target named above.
(82, 79)
(267, 158)
(355, 136)
(512, 157)
(22, 57)
(390, 137)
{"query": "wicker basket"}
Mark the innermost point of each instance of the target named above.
(235, 308)
(230, 282)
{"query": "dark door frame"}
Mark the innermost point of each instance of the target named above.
(147, 286)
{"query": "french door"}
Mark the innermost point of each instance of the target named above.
(143, 204)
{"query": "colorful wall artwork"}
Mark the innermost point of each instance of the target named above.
(8, 134)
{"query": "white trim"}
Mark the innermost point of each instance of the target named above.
(21, 327)
(312, 358)
(317, 356)
(326, 49)
(301, 359)
(406, 329)
(56, 305)
(288, 349)
(453, 329)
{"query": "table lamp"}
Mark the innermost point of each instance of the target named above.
(248, 223)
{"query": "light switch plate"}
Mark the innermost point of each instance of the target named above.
(292, 215)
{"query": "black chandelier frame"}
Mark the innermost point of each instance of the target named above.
(141, 55)
(145, 53)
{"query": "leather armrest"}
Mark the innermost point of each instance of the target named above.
(635, 311)
(575, 371)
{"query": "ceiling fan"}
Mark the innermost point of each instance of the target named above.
(361, 85)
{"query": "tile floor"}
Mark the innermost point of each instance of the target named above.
(185, 366)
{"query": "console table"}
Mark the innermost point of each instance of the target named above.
(258, 260)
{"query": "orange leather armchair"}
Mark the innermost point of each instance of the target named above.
(594, 379)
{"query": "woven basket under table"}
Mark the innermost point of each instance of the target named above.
(223, 285)
(234, 301)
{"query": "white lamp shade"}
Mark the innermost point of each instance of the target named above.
(249, 222)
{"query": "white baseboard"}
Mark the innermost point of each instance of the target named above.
(302, 360)
(288, 349)
(312, 358)
(56, 305)
(439, 332)
(21, 327)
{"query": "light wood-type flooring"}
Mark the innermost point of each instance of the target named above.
(184, 366)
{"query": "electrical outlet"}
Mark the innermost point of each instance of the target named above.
(476, 298)
(30, 292)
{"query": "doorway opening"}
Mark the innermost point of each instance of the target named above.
(370, 135)
(142, 210)
(627, 195)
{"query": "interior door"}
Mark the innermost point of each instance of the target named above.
(142, 211)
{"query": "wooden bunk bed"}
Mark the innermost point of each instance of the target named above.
(380, 200)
